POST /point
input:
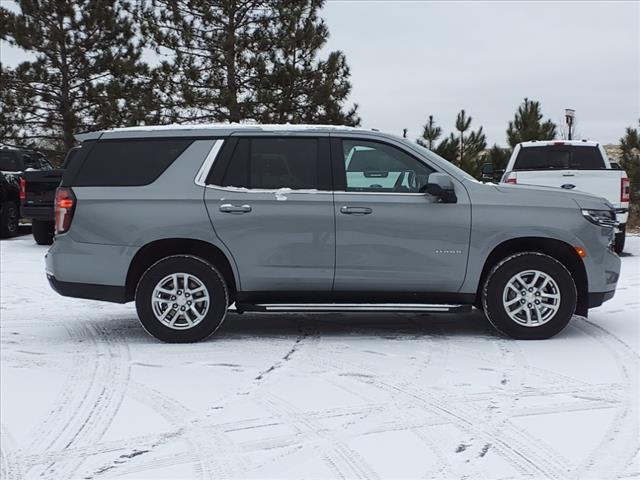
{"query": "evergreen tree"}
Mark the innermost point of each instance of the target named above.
(498, 157)
(294, 85)
(462, 125)
(461, 150)
(87, 72)
(213, 49)
(472, 147)
(630, 160)
(430, 134)
(238, 60)
(448, 148)
(527, 124)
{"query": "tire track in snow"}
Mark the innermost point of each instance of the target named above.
(528, 459)
(10, 467)
(621, 442)
(87, 421)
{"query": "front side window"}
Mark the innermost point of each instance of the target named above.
(273, 163)
(378, 167)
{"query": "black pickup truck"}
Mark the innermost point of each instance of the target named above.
(37, 180)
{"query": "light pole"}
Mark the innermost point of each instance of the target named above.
(569, 115)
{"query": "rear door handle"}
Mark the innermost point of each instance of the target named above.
(356, 210)
(229, 208)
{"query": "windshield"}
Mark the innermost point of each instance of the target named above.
(437, 159)
(561, 157)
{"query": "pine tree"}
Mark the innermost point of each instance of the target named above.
(630, 160)
(462, 125)
(87, 72)
(449, 148)
(430, 134)
(212, 48)
(236, 60)
(473, 145)
(294, 84)
(498, 157)
(527, 125)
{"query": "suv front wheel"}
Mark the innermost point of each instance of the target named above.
(529, 295)
(181, 299)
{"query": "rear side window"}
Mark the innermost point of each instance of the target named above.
(272, 163)
(9, 162)
(128, 162)
(559, 157)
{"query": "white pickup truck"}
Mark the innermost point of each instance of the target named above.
(573, 165)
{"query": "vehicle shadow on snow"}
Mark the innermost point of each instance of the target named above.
(386, 326)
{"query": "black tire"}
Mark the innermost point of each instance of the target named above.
(9, 220)
(42, 231)
(210, 278)
(504, 271)
(618, 243)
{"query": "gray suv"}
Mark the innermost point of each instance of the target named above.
(190, 221)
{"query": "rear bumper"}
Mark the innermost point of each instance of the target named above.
(622, 215)
(105, 293)
(37, 213)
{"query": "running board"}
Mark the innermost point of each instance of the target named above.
(350, 307)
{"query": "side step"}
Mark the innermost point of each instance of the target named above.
(350, 307)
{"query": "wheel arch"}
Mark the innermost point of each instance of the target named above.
(561, 251)
(158, 249)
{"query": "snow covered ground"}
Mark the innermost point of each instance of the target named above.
(86, 393)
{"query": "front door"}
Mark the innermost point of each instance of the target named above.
(390, 237)
(273, 210)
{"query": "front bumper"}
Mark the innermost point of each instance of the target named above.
(598, 298)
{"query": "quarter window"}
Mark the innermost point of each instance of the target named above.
(272, 163)
(378, 167)
(128, 162)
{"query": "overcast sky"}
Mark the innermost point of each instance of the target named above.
(410, 59)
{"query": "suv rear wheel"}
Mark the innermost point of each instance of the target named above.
(181, 299)
(529, 295)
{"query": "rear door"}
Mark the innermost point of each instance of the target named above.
(270, 201)
(391, 237)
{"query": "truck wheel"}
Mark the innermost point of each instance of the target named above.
(9, 219)
(42, 232)
(529, 296)
(618, 243)
(181, 299)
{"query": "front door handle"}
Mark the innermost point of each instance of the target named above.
(237, 209)
(356, 210)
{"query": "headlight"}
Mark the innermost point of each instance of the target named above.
(602, 218)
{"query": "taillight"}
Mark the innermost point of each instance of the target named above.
(65, 205)
(510, 178)
(624, 189)
(23, 189)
